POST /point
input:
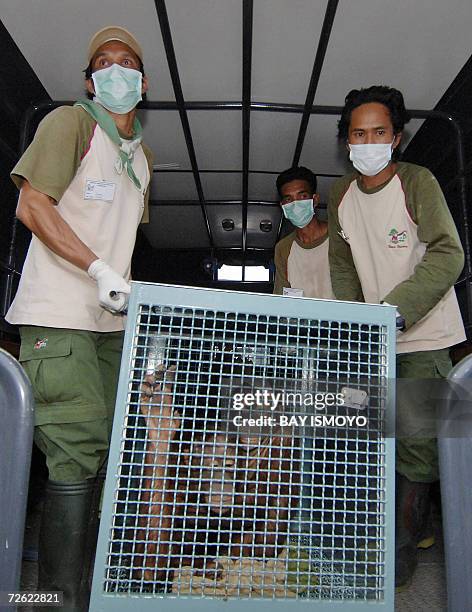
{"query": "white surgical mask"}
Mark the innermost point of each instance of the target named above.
(370, 159)
(118, 89)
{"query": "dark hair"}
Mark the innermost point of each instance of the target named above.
(296, 173)
(388, 96)
(88, 75)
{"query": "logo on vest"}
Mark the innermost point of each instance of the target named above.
(397, 240)
(40, 343)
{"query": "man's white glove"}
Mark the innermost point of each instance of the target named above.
(113, 290)
(399, 320)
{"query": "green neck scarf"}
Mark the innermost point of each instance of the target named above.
(126, 148)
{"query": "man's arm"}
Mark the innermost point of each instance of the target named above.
(281, 279)
(39, 213)
(43, 174)
(443, 260)
(344, 278)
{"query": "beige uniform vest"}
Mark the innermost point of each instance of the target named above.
(308, 269)
(385, 249)
(55, 293)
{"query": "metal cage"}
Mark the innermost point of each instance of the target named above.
(251, 456)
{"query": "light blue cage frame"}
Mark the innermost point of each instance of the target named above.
(352, 317)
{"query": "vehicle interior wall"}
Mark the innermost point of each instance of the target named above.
(435, 72)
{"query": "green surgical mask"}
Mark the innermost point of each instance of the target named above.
(299, 212)
(118, 89)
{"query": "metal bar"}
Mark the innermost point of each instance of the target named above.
(223, 249)
(316, 109)
(268, 172)
(279, 229)
(217, 250)
(7, 295)
(461, 177)
(179, 97)
(248, 7)
(265, 203)
(315, 76)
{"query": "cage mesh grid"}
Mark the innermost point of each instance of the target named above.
(207, 509)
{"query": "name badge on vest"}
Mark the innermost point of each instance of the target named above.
(292, 292)
(99, 190)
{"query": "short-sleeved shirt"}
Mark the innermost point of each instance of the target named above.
(72, 160)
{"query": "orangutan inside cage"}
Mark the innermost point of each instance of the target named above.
(209, 494)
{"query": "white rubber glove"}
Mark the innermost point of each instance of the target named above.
(400, 321)
(113, 290)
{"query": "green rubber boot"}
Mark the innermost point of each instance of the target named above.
(64, 544)
(412, 527)
(92, 531)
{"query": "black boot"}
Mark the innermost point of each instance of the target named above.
(412, 509)
(92, 532)
(63, 542)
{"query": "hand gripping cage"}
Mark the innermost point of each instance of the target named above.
(249, 458)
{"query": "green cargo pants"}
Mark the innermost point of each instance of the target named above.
(417, 456)
(74, 375)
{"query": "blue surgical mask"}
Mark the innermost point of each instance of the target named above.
(118, 89)
(299, 212)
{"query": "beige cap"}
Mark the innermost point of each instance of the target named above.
(113, 33)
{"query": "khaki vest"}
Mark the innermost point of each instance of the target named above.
(308, 269)
(385, 249)
(55, 293)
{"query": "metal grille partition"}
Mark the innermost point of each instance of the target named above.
(250, 459)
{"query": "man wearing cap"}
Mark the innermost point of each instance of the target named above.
(83, 192)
